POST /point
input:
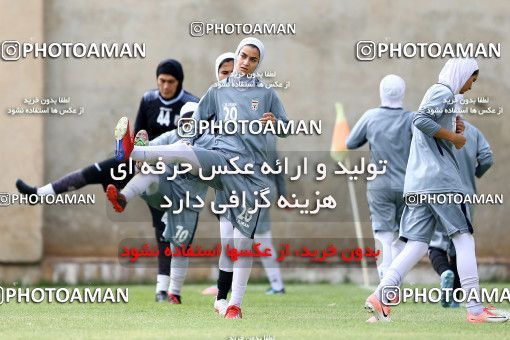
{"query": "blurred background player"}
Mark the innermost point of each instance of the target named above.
(158, 113)
(243, 99)
(474, 159)
(224, 65)
(388, 131)
(432, 169)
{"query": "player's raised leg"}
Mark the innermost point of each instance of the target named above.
(126, 148)
(139, 184)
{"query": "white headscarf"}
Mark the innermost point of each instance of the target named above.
(456, 72)
(250, 41)
(392, 90)
(187, 108)
(221, 58)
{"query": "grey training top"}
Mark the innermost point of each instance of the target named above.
(432, 166)
(388, 132)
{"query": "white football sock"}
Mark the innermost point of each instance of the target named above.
(140, 184)
(227, 237)
(402, 264)
(173, 153)
(179, 268)
(46, 190)
(242, 269)
(397, 246)
(162, 282)
(271, 266)
(383, 243)
(467, 268)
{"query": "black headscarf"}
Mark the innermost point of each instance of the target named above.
(173, 68)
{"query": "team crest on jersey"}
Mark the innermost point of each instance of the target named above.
(254, 104)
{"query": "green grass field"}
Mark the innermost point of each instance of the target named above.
(306, 311)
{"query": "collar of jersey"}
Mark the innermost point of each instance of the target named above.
(171, 101)
(390, 108)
